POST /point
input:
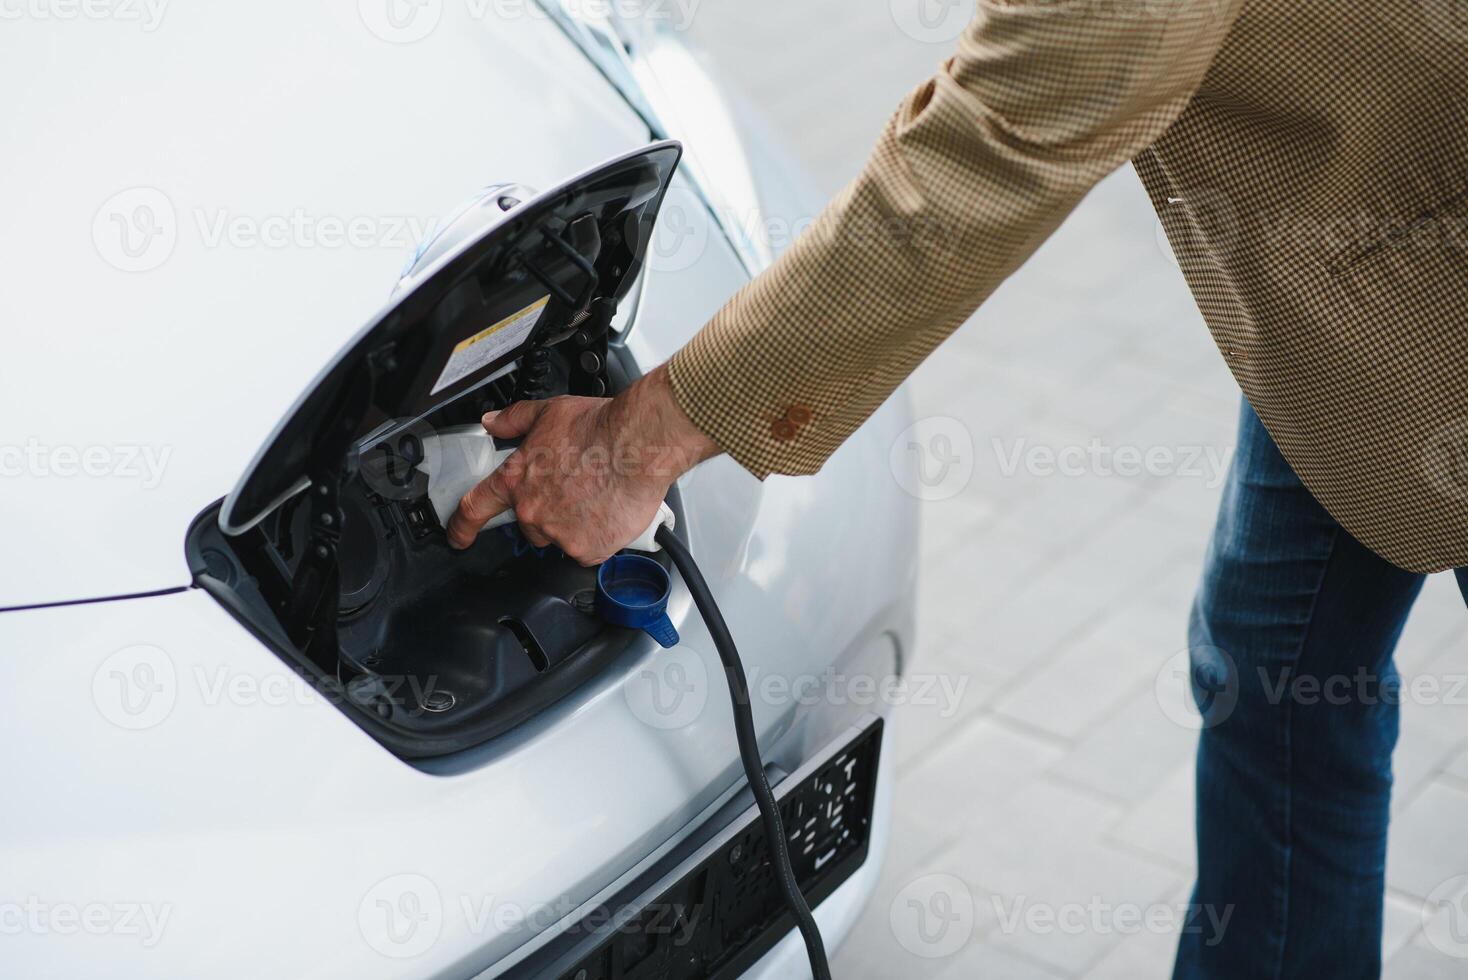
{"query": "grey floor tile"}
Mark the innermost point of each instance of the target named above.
(983, 961)
(1149, 950)
(1129, 754)
(1438, 625)
(1098, 670)
(1425, 746)
(1420, 961)
(1071, 694)
(1057, 894)
(1434, 692)
(941, 701)
(1402, 922)
(1428, 844)
(949, 527)
(1458, 766)
(1161, 825)
(971, 774)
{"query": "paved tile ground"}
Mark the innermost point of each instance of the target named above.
(1060, 779)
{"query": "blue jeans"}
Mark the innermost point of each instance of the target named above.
(1291, 639)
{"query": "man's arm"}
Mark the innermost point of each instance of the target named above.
(976, 168)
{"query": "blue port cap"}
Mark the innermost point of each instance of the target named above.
(632, 590)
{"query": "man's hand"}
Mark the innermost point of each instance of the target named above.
(589, 473)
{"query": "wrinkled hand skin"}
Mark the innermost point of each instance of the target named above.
(589, 473)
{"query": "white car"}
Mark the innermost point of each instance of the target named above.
(260, 721)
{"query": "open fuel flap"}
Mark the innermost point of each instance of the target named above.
(328, 548)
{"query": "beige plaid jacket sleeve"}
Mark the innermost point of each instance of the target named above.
(977, 167)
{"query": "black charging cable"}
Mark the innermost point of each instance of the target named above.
(754, 767)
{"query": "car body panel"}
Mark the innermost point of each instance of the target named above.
(264, 824)
(295, 122)
(270, 834)
(627, 187)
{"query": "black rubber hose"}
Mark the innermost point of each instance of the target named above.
(754, 767)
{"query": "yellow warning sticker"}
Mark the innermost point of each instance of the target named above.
(489, 345)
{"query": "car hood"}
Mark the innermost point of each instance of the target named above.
(203, 212)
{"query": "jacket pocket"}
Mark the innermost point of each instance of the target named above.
(1435, 230)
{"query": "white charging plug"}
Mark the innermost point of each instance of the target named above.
(456, 459)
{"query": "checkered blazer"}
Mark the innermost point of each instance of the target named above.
(1308, 160)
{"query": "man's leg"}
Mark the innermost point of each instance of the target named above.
(1291, 636)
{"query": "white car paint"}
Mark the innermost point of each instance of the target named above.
(245, 121)
(248, 827)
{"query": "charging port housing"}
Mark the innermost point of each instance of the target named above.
(328, 549)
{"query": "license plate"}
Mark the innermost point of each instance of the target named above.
(719, 909)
